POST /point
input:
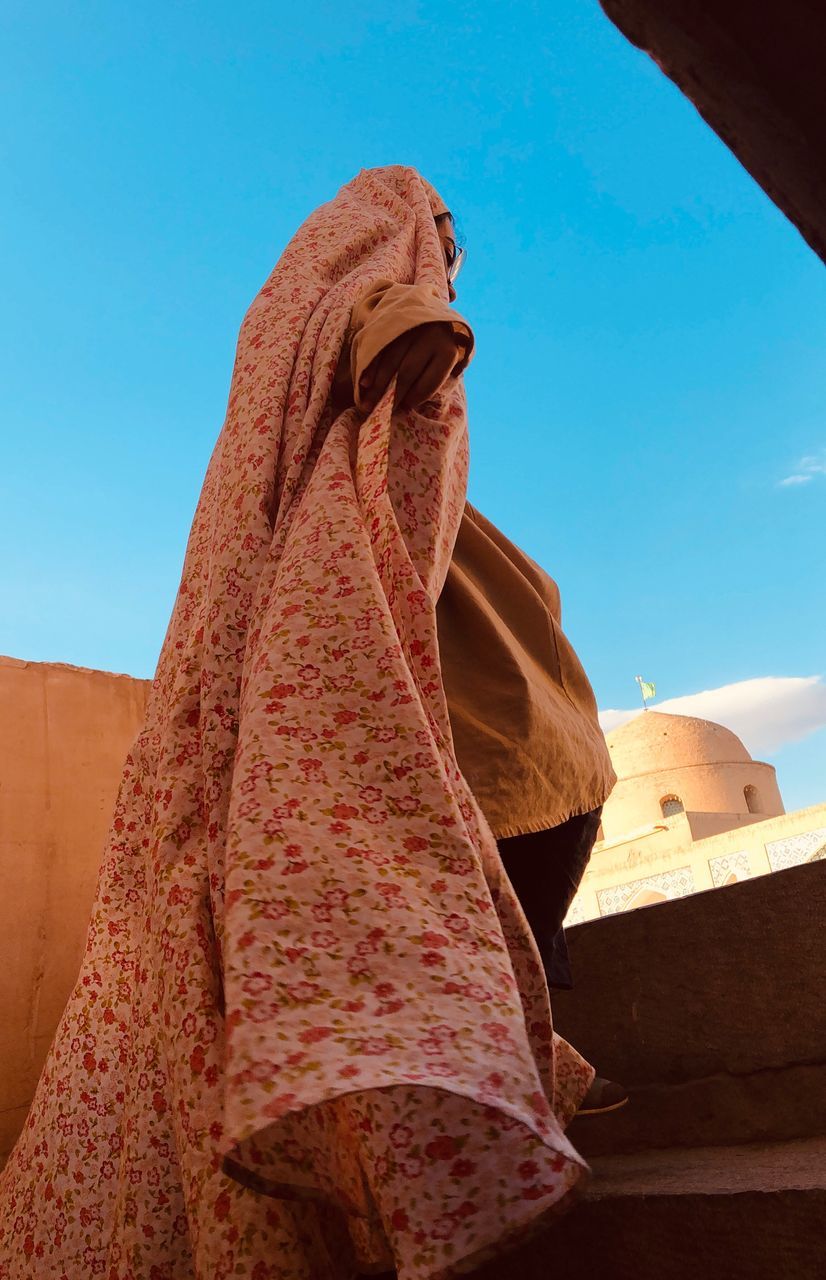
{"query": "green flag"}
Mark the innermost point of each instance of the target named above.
(647, 688)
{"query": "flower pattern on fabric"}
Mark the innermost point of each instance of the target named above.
(311, 1034)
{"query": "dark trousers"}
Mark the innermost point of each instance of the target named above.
(545, 869)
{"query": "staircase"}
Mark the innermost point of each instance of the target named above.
(711, 1010)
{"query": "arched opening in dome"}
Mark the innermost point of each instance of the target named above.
(752, 799)
(669, 805)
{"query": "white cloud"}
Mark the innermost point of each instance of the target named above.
(767, 713)
(613, 719)
(806, 470)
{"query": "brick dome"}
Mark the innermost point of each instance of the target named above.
(654, 742)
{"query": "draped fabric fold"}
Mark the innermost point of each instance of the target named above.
(311, 1034)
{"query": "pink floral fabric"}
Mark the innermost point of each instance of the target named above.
(311, 1035)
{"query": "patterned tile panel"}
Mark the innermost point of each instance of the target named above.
(674, 884)
(576, 913)
(794, 850)
(733, 864)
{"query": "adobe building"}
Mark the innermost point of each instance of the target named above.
(691, 810)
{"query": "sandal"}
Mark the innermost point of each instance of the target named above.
(603, 1096)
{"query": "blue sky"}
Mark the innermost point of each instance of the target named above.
(649, 327)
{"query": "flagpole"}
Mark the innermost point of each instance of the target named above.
(642, 695)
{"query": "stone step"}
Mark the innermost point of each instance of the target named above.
(750, 1212)
(710, 1010)
(761, 1106)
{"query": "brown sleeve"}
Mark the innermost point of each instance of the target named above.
(388, 310)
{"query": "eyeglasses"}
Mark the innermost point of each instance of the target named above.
(455, 264)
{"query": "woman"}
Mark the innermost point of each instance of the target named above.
(311, 1035)
(523, 716)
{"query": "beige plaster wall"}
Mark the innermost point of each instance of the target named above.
(708, 788)
(703, 825)
(665, 863)
(65, 733)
